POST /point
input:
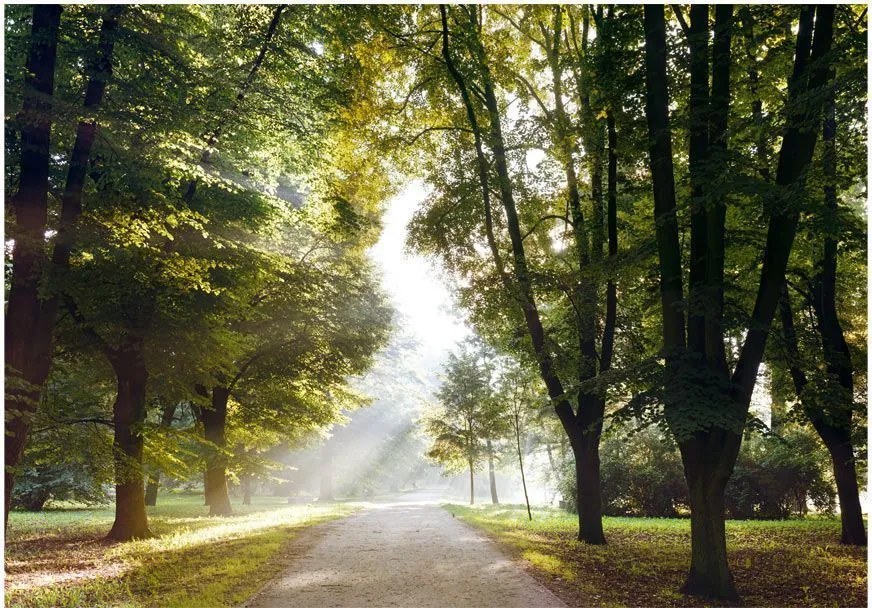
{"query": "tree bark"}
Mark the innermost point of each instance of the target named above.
(588, 489)
(128, 362)
(834, 429)
(491, 473)
(215, 429)
(151, 486)
(709, 574)
(28, 340)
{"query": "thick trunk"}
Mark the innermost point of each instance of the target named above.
(326, 491)
(588, 489)
(214, 429)
(28, 338)
(709, 574)
(491, 474)
(838, 443)
(129, 411)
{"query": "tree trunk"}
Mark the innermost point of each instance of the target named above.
(471, 484)
(521, 465)
(491, 474)
(246, 489)
(128, 362)
(326, 492)
(153, 483)
(836, 438)
(151, 487)
(26, 315)
(214, 429)
(709, 574)
(588, 489)
(28, 339)
(835, 426)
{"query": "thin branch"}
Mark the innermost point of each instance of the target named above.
(411, 142)
(542, 219)
(677, 10)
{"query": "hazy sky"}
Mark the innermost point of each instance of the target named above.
(419, 293)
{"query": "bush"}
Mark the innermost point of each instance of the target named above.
(775, 477)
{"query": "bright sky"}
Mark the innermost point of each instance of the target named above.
(415, 284)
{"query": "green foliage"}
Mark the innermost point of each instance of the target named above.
(468, 412)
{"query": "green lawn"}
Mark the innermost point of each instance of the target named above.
(58, 558)
(775, 563)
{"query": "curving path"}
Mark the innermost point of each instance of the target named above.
(402, 554)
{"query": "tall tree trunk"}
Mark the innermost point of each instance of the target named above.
(698, 38)
(28, 340)
(491, 474)
(521, 464)
(26, 313)
(153, 483)
(128, 362)
(837, 355)
(326, 492)
(215, 429)
(834, 429)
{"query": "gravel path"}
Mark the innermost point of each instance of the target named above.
(412, 555)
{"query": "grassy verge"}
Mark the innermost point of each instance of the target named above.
(784, 563)
(58, 558)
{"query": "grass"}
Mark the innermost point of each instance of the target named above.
(774, 563)
(58, 558)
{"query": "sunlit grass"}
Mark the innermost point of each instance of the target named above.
(58, 558)
(775, 563)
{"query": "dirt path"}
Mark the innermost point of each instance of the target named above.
(414, 555)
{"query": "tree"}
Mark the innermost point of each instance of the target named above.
(518, 391)
(467, 419)
(695, 372)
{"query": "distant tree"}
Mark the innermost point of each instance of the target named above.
(465, 421)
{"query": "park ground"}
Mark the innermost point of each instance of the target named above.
(775, 563)
(57, 558)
